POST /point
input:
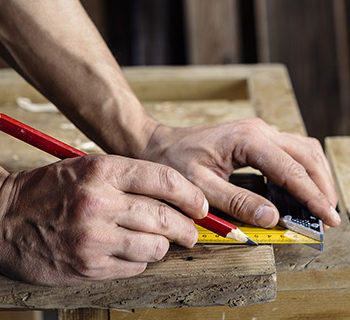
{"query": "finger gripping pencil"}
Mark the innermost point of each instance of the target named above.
(61, 150)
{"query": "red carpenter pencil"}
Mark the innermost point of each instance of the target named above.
(61, 150)
(223, 228)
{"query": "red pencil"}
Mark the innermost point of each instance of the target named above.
(61, 150)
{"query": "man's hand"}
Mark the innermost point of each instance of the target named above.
(208, 155)
(94, 217)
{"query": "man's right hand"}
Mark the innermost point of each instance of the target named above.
(94, 217)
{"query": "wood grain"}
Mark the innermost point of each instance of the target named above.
(83, 314)
(302, 35)
(338, 152)
(203, 276)
(20, 315)
(209, 40)
(304, 274)
(272, 96)
(299, 304)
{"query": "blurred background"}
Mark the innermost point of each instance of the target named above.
(311, 37)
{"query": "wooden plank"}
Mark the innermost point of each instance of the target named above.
(212, 31)
(20, 315)
(203, 276)
(155, 84)
(146, 32)
(19, 156)
(300, 268)
(300, 304)
(301, 35)
(341, 23)
(262, 31)
(338, 153)
(272, 96)
(83, 314)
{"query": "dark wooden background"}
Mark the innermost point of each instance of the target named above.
(310, 36)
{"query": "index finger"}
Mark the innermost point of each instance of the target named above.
(284, 171)
(160, 182)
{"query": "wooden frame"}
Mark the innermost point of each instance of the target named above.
(303, 273)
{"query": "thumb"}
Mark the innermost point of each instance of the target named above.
(239, 203)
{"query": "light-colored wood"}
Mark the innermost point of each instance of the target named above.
(83, 314)
(300, 304)
(338, 152)
(272, 96)
(19, 156)
(20, 315)
(262, 30)
(265, 91)
(209, 40)
(203, 276)
(166, 83)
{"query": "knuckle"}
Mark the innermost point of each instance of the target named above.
(315, 143)
(192, 236)
(160, 248)
(238, 204)
(169, 179)
(128, 244)
(86, 202)
(296, 170)
(317, 156)
(248, 141)
(197, 200)
(252, 126)
(99, 165)
(246, 127)
(316, 151)
(163, 217)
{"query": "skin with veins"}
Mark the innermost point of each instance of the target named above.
(107, 207)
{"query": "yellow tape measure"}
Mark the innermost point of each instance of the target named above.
(260, 235)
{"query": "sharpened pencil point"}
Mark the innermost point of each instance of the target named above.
(252, 242)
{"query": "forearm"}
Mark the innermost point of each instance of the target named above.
(55, 46)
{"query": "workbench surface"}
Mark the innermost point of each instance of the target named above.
(309, 281)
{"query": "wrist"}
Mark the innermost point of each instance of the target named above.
(132, 132)
(159, 141)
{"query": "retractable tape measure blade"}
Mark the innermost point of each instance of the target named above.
(302, 227)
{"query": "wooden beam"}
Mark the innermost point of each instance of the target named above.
(203, 276)
(20, 315)
(338, 153)
(310, 304)
(341, 25)
(83, 314)
(212, 31)
(304, 36)
(272, 96)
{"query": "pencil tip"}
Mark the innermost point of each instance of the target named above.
(250, 241)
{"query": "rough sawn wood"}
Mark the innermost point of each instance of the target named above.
(205, 275)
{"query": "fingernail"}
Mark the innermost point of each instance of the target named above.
(265, 216)
(205, 208)
(335, 215)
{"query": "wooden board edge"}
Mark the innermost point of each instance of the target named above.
(332, 160)
(273, 98)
